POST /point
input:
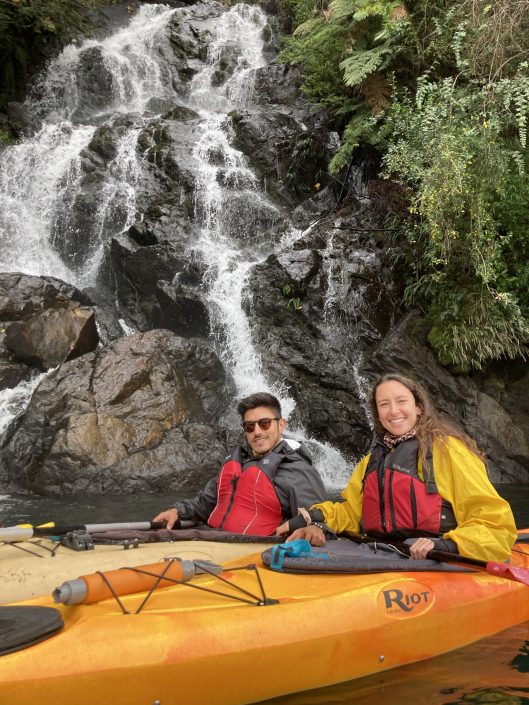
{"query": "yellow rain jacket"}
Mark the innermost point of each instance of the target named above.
(485, 524)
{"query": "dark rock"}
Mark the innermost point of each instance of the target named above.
(290, 158)
(299, 265)
(23, 295)
(321, 304)
(225, 64)
(279, 84)
(140, 233)
(182, 310)
(23, 122)
(137, 271)
(44, 321)
(94, 84)
(54, 336)
(139, 415)
(12, 371)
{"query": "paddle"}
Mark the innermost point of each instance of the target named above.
(52, 529)
(26, 531)
(499, 570)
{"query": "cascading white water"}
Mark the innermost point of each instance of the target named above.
(239, 225)
(40, 177)
(34, 176)
(237, 219)
(117, 204)
(12, 400)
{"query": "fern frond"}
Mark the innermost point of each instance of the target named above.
(361, 63)
(308, 26)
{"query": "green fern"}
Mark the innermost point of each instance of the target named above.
(361, 63)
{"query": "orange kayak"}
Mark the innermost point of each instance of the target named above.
(306, 631)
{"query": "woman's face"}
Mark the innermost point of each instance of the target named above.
(396, 407)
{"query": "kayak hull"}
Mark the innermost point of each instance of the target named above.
(198, 647)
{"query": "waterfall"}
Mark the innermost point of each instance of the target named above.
(40, 177)
(118, 81)
(240, 226)
(14, 401)
(237, 220)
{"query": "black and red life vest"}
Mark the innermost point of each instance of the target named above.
(247, 502)
(397, 500)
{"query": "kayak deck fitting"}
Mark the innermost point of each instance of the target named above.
(203, 647)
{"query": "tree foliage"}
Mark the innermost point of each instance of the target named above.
(442, 89)
(26, 26)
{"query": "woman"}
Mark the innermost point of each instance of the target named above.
(423, 478)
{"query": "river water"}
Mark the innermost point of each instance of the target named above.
(494, 670)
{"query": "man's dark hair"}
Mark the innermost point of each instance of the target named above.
(259, 399)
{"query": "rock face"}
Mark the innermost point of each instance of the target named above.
(45, 322)
(322, 315)
(54, 336)
(141, 414)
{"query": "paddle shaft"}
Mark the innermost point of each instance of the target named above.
(497, 569)
(59, 530)
(517, 573)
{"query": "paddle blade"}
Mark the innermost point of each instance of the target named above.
(505, 570)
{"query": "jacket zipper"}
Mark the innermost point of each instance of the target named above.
(381, 497)
(413, 504)
(234, 481)
(391, 502)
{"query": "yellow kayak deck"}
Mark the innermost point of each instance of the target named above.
(190, 645)
(36, 567)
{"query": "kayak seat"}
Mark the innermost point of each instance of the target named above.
(343, 556)
(22, 626)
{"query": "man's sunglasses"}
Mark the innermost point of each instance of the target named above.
(249, 426)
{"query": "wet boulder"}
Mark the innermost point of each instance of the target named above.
(320, 299)
(182, 310)
(56, 335)
(45, 321)
(139, 415)
(12, 371)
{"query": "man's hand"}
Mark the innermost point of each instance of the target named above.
(420, 549)
(311, 533)
(283, 529)
(169, 515)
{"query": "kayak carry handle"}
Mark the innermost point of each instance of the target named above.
(88, 589)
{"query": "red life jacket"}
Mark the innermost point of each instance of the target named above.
(247, 502)
(396, 499)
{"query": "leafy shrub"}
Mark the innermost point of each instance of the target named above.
(442, 89)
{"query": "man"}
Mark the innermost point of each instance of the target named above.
(261, 485)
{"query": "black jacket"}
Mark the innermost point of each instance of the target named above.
(295, 479)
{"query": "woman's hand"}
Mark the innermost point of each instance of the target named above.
(311, 533)
(420, 549)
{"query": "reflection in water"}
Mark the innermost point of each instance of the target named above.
(521, 662)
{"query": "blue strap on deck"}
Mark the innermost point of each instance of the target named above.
(300, 548)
